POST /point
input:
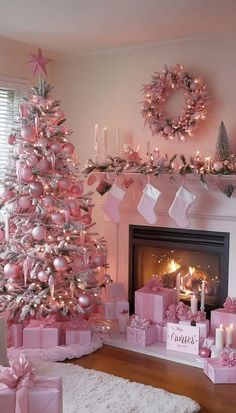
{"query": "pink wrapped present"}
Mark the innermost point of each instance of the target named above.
(152, 305)
(23, 392)
(15, 335)
(203, 328)
(222, 369)
(42, 333)
(222, 316)
(121, 306)
(123, 321)
(141, 332)
(82, 336)
(161, 331)
(108, 310)
(114, 291)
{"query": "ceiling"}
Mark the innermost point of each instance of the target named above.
(72, 27)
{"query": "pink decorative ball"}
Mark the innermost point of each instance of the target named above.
(32, 160)
(11, 139)
(26, 174)
(64, 183)
(2, 235)
(84, 300)
(107, 278)
(43, 276)
(98, 259)
(54, 305)
(24, 202)
(77, 189)
(60, 264)
(74, 208)
(43, 165)
(167, 129)
(57, 217)
(204, 352)
(86, 219)
(5, 193)
(28, 133)
(78, 262)
(36, 189)
(39, 233)
(56, 147)
(11, 270)
(69, 147)
(20, 149)
(48, 201)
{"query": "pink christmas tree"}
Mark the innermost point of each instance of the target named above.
(50, 257)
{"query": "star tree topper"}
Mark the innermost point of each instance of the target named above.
(38, 62)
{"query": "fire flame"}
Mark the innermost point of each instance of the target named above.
(173, 266)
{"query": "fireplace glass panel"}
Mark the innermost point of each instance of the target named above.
(192, 266)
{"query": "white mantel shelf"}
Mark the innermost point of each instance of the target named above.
(157, 349)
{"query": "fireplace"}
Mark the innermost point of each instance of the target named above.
(191, 255)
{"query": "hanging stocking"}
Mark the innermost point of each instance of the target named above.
(179, 207)
(112, 203)
(147, 203)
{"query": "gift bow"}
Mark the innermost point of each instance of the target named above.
(153, 285)
(19, 376)
(228, 358)
(42, 322)
(138, 322)
(230, 305)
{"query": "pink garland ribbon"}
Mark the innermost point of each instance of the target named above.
(230, 305)
(153, 285)
(228, 359)
(138, 322)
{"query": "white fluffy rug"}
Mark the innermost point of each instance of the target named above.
(90, 391)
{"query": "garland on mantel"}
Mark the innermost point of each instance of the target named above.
(157, 165)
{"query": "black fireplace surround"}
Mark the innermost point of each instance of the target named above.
(190, 241)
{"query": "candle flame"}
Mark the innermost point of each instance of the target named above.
(221, 325)
(231, 326)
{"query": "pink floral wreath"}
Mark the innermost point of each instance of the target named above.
(196, 100)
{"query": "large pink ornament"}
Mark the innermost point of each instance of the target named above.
(26, 174)
(36, 189)
(43, 276)
(74, 208)
(32, 160)
(11, 270)
(64, 183)
(39, 232)
(57, 217)
(98, 259)
(24, 202)
(86, 219)
(60, 264)
(204, 352)
(48, 201)
(5, 193)
(78, 262)
(28, 133)
(69, 147)
(56, 147)
(11, 139)
(43, 165)
(77, 189)
(2, 235)
(84, 300)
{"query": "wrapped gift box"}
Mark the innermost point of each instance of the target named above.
(123, 321)
(161, 332)
(121, 306)
(222, 316)
(41, 337)
(142, 336)
(203, 329)
(112, 309)
(153, 305)
(15, 335)
(218, 373)
(45, 396)
(114, 291)
(81, 336)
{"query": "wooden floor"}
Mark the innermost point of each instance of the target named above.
(174, 377)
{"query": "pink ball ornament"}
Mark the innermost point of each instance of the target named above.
(56, 147)
(26, 174)
(11, 270)
(20, 149)
(84, 300)
(2, 235)
(98, 259)
(28, 133)
(77, 189)
(11, 139)
(204, 352)
(39, 233)
(48, 201)
(74, 208)
(43, 276)
(86, 219)
(24, 202)
(54, 305)
(107, 278)
(60, 264)
(36, 189)
(5, 193)
(68, 147)
(64, 183)
(32, 160)
(57, 217)
(43, 165)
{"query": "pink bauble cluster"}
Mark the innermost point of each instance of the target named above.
(11, 139)
(43, 276)
(64, 183)
(57, 217)
(26, 174)
(5, 193)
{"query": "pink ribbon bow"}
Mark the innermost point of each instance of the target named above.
(153, 285)
(19, 376)
(230, 305)
(183, 312)
(200, 316)
(171, 314)
(138, 322)
(42, 322)
(227, 358)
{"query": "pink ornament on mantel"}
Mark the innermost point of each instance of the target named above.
(28, 133)
(60, 263)
(204, 352)
(11, 270)
(39, 233)
(36, 189)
